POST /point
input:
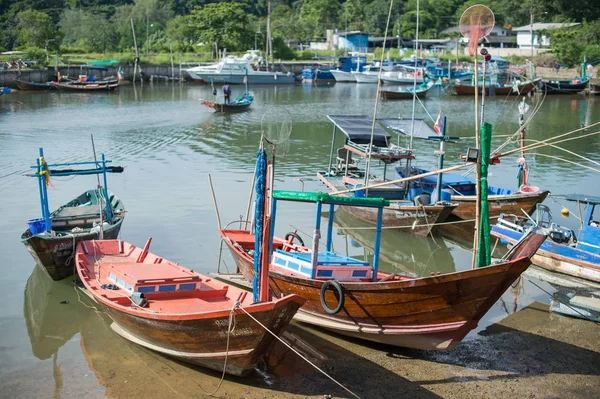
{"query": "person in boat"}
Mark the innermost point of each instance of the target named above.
(227, 92)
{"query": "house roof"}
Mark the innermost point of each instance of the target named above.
(543, 25)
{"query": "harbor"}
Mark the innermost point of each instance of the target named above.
(58, 343)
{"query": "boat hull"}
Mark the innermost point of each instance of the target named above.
(203, 341)
(343, 77)
(564, 87)
(424, 313)
(419, 220)
(98, 86)
(253, 78)
(33, 86)
(498, 204)
(226, 108)
(55, 254)
(499, 91)
(558, 258)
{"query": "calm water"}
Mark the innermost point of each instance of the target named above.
(169, 144)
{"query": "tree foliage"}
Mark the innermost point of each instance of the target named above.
(225, 24)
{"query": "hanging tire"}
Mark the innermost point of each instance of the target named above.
(340, 291)
(295, 236)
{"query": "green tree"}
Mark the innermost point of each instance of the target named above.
(319, 15)
(351, 16)
(223, 23)
(180, 30)
(36, 29)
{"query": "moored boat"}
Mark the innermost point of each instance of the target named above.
(352, 297)
(407, 93)
(87, 86)
(34, 86)
(564, 251)
(95, 213)
(178, 312)
(517, 88)
(565, 86)
(415, 216)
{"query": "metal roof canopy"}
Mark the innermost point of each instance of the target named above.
(586, 199)
(403, 126)
(358, 129)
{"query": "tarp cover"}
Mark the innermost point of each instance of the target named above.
(404, 126)
(358, 129)
(587, 199)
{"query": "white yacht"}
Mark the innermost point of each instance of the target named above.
(233, 70)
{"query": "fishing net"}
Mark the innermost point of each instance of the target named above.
(276, 125)
(476, 22)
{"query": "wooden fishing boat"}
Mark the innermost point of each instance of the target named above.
(461, 190)
(434, 312)
(565, 86)
(108, 85)
(180, 313)
(517, 88)
(240, 104)
(34, 86)
(417, 216)
(564, 251)
(52, 239)
(407, 93)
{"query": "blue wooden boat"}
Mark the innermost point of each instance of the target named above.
(564, 251)
(461, 190)
(239, 104)
(96, 213)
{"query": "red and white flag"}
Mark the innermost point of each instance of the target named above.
(439, 123)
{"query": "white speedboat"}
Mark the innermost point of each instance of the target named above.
(343, 76)
(234, 69)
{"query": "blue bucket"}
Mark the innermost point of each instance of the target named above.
(36, 225)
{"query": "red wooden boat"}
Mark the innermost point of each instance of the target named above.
(178, 312)
(434, 312)
(518, 89)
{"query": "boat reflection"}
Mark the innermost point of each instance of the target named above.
(412, 255)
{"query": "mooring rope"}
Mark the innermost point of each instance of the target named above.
(298, 353)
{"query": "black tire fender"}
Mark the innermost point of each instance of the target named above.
(340, 291)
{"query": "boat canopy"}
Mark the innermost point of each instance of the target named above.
(358, 129)
(404, 126)
(586, 199)
(324, 198)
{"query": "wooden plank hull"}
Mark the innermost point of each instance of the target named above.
(413, 219)
(564, 87)
(99, 86)
(203, 341)
(425, 313)
(500, 91)
(33, 86)
(55, 254)
(225, 108)
(178, 312)
(498, 204)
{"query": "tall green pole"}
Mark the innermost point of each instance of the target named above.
(484, 255)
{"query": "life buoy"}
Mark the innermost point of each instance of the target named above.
(340, 291)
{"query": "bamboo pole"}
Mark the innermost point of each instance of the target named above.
(477, 169)
(137, 54)
(212, 191)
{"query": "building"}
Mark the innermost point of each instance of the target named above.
(499, 37)
(534, 34)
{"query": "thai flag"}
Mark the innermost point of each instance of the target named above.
(439, 123)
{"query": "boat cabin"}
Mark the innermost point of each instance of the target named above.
(589, 234)
(325, 265)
